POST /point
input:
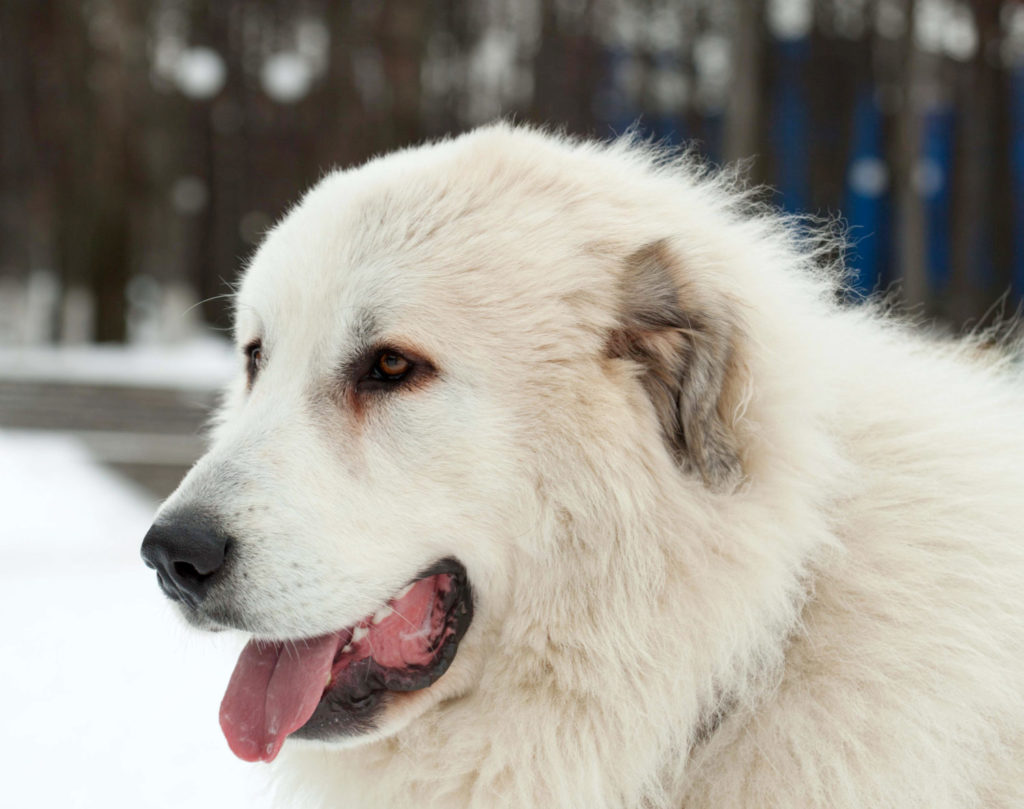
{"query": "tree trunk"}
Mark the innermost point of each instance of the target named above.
(744, 110)
(906, 147)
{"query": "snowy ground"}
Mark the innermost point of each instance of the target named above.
(107, 700)
(199, 363)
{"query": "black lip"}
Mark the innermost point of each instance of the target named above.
(353, 708)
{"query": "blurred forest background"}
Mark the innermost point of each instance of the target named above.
(147, 145)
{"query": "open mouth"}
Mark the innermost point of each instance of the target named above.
(334, 685)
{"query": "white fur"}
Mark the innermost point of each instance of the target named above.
(852, 608)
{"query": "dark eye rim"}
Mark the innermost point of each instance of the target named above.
(369, 378)
(253, 359)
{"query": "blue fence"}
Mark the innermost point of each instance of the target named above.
(866, 203)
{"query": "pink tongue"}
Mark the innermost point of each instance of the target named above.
(273, 691)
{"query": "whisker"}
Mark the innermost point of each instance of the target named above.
(208, 300)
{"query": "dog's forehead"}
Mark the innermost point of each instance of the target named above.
(433, 233)
(324, 254)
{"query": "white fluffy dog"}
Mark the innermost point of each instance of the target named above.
(558, 477)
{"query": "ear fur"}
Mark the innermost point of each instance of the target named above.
(686, 345)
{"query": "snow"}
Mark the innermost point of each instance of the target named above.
(286, 77)
(198, 364)
(790, 19)
(108, 700)
(200, 72)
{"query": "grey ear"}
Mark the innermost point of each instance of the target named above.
(685, 344)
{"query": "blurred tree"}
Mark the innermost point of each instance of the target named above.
(905, 154)
(116, 62)
(119, 164)
(743, 128)
(19, 203)
(568, 66)
(980, 123)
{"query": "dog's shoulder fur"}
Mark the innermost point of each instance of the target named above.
(769, 547)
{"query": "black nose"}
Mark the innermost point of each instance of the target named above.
(187, 550)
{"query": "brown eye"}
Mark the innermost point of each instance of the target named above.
(391, 366)
(384, 370)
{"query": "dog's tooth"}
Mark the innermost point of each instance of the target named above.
(359, 633)
(347, 648)
(381, 614)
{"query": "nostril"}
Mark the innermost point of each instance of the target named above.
(187, 572)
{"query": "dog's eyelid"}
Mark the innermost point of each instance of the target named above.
(254, 359)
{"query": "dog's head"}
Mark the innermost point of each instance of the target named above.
(434, 350)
